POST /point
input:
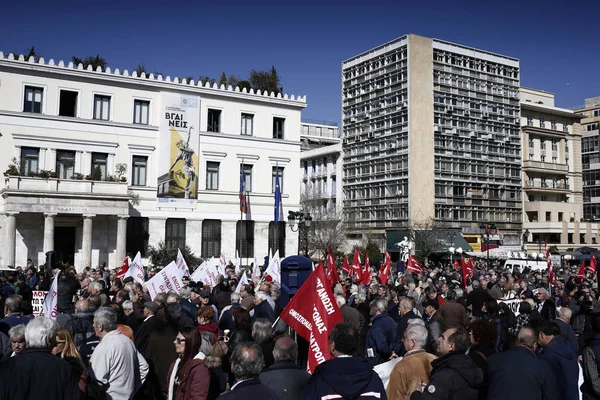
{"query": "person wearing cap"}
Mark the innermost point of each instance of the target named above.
(151, 322)
(205, 301)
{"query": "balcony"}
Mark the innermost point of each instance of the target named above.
(545, 166)
(547, 186)
(53, 185)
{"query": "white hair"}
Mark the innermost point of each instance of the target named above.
(340, 300)
(96, 285)
(17, 331)
(261, 295)
(416, 332)
(235, 297)
(186, 292)
(127, 305)
(40, 331)
(565, 312)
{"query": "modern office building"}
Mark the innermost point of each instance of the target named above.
(431, 138)
(552, 180)
(590, 155)
(104, 162)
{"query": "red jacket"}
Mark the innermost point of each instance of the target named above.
(194, 381)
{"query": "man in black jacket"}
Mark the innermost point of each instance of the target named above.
(284, 377)
(476, 298)
(344, 376)
(454, 375)
(519, 374)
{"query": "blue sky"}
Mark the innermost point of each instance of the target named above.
(557, 42)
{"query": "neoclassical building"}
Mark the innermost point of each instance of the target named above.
(101, 163)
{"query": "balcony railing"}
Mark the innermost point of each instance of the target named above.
(54, 185)
(549, 186)
(545, 165)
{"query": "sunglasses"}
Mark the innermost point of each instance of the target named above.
(180, 340)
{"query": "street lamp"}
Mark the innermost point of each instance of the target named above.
(487, 226)
(303, 221)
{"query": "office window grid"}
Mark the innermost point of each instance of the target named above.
(277, 237)
(175, 232)
(211, 238)
(244, 239)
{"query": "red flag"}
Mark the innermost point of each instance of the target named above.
(366, 277)
(581, 272)
(313, 313)
(592, 266)
(470, 266)
(124, 268)
(356, 266)
(332, 274)
(414, 266)
(465, 271)
(551, 277)
(384, 271)
(457, 265)
(346, 266)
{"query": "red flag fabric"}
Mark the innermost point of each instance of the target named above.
(581, 272)
(457, 265)
(414, 266)
(366, 277)
(124, 268)
(332, 274)
(551, 277)
(356, 266)
(313, 313)
(346, 266)
(465, 271)
(592, 266)
(471, 267)
(384, 271)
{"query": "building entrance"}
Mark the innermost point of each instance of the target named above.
(64, 244)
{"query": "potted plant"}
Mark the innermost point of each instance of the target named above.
(79, 176)
(123, 179)
(88, 178)
(14, 168)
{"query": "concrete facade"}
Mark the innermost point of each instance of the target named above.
(102, 221)
(590, 157)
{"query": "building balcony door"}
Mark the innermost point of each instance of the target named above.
(64, 244)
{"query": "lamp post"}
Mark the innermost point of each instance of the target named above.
(487, 226)
(303, 221)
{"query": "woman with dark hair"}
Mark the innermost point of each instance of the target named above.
(262, 336)
(483, 344)
(243, 328)
(189, 377)
(206, 323)
(490, 309)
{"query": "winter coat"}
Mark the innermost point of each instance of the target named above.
(352, 316)
(348, 377)
(285, 379)
(568, 334)
(408, 374)
(194, 380)
(402, 325)
(250, 389)
(160, 355)
(35, 374)
(453, 314)
(81, 327)
(211, 327)
(519, 374)
(382, 338)
(454, 376)
(480, 353)
(13, 320)
(563, 363)
(264, 310)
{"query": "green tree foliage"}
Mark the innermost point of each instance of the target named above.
(161, 255)
(95, 62)
(141, 69)
(205, 79)
(223, 79)
(244, 84)
(268, 81)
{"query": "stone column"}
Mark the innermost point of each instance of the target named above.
(49, 232)
(11, 239)
(86, 246)
(121, 238)
(577, 233)
(588, 233)
(564, 234)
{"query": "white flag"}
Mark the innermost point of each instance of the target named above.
(169, 278)
(238, 262)
(207, 273)
(274, 268)
(243, 281)
(199, 272)
(136, 269)
(256, 269)
(49, 307)
(181, 264)
(222, 264)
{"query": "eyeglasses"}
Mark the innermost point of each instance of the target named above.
(180, 340)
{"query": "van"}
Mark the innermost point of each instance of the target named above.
(520, 265)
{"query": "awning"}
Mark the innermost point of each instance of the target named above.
(429, 241)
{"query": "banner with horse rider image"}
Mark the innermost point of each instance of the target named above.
(178, 153)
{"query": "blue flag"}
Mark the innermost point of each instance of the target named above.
(277, 195)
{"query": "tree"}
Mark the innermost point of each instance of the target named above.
(140, 69)
(244, 84)
(29, 52)
(95, 62)
(233, 80)
(161, 255)
(205, 79)
(223, 79)
(267, 80)
(328, 227)
(429, 236)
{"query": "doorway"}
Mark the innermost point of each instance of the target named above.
(64, 244)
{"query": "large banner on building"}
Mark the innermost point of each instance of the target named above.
(178, 152)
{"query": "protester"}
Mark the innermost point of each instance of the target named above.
(262, 308)
(453, 313)
(591, 362)
(206, 321)
(566, 331)
(13, 313)
(483, 336)
(151, 321)
(262, 336)
(546, 307)
(382, 336)
(284, 378)
(17, 340)
(65, 348)
(188, 376)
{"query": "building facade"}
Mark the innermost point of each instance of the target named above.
(552, 176)
(431, 137)
(590, 157)
(104, 163)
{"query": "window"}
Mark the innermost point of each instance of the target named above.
(211, 238)
(305, 129)
(247, 124)
(248, 175)
(141, 111)
(319, 131)
(548, 216)
(175, 233)
(101, 107)
(139, 170)
(212, 175)
(244, 238)
(278, 125)
(65, 164)
(137, 235)
(68, 103)
(275, 171)
(99, 161)
(29, 160)
(277, 237)
(560, 217)
(33, 99)
(213, 122)
(596, 113)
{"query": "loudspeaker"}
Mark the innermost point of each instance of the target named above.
(295, 270)
(50, 260)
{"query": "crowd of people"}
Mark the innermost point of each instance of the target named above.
(412, 337)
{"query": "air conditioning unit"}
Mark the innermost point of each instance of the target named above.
(485, 115)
